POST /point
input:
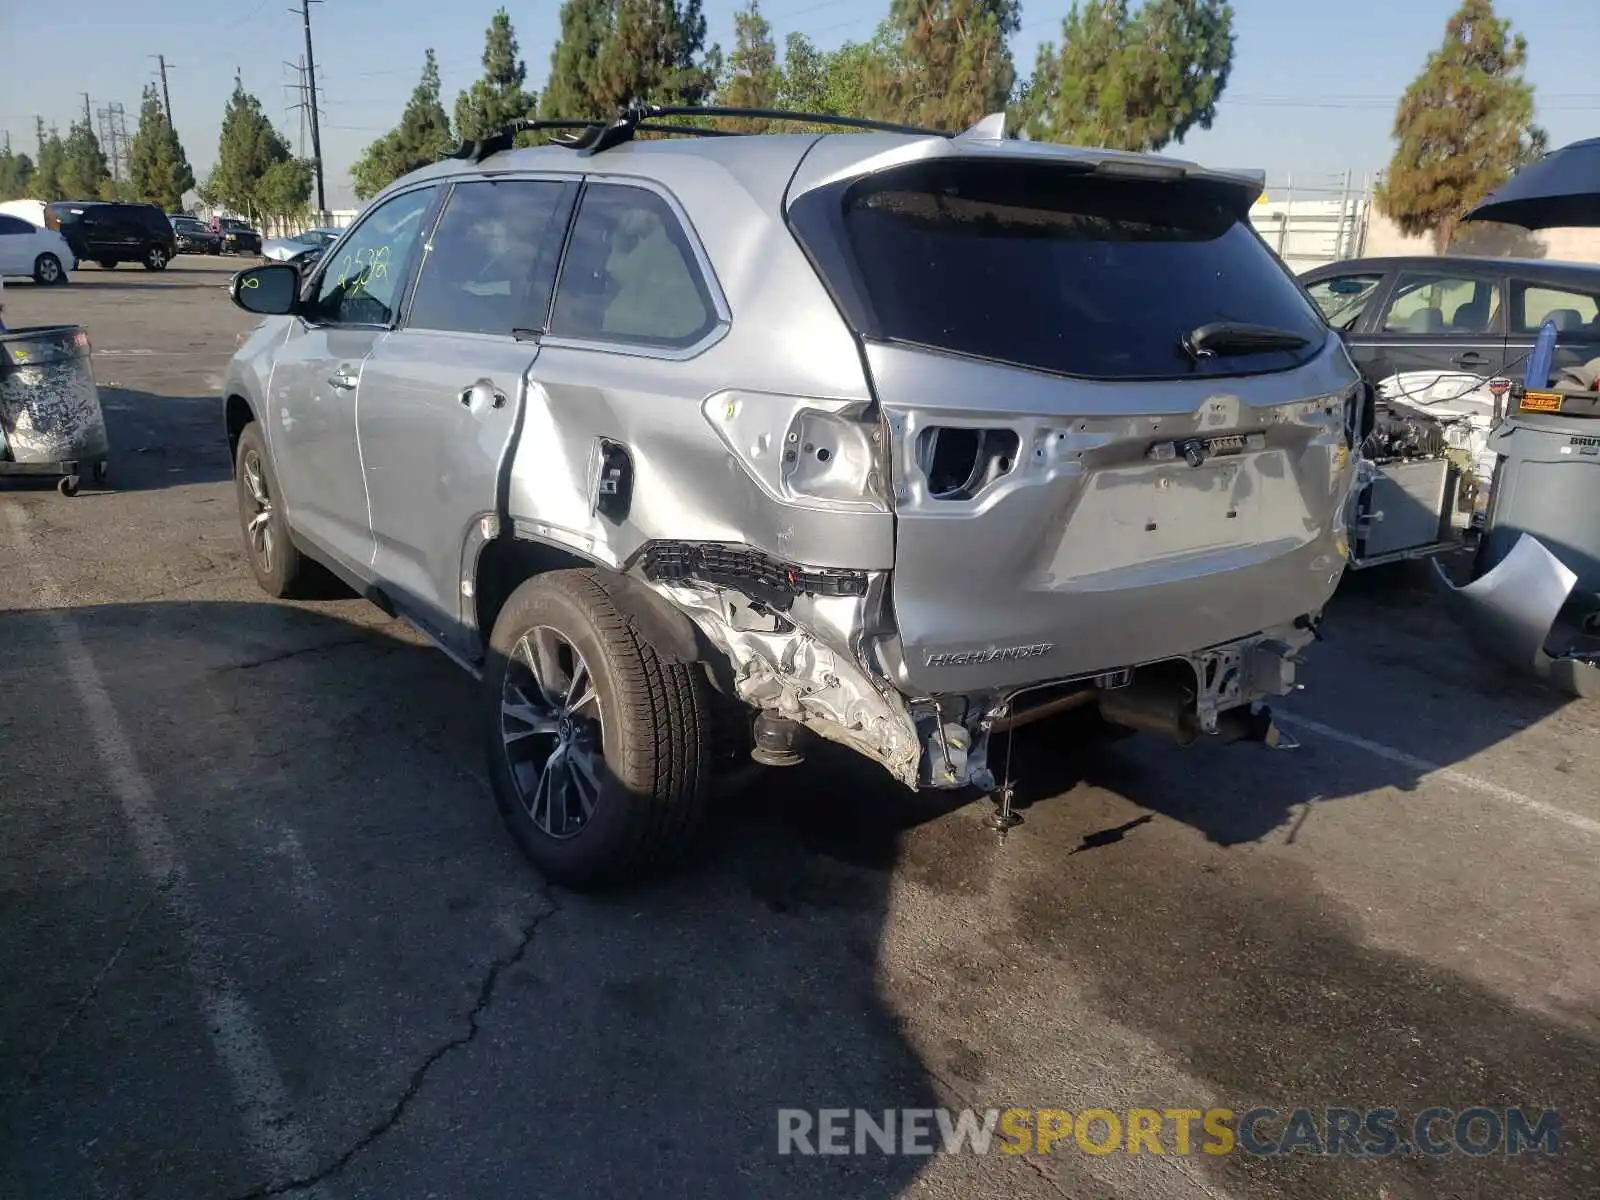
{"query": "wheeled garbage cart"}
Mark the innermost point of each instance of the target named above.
(51, 423)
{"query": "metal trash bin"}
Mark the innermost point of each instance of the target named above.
(51, 422)
(1547, 483)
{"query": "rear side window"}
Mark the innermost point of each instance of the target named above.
(14, 225)
(491, 263)
(1571, 311)
(630, 274)
(1035, 265)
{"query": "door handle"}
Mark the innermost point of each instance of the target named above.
(343, 381)
(484, 390)
(1469, 358)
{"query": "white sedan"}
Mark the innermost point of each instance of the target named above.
(27, 249)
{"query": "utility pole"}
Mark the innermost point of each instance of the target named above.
(88, 121)
(311, 93)
(166, 96)
(114, 137)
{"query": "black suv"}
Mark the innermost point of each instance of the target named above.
(109, 233)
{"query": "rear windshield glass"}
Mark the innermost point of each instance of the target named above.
(1067, 273)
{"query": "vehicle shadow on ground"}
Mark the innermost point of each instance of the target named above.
(1388, 644)
(323, 782)
(443, 1024)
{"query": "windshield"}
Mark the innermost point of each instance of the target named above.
(1092, 276)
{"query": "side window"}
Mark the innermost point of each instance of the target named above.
(362, 286)
(1569, 310)
(630, 274)
(1442, 305)
(1343, 298)
(14, 225)
(491, 262)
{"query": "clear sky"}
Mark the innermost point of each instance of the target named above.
(1312, 93)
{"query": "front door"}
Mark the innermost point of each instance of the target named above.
(1434, 324)
(16, 246)
(312, 411)
(442, 396)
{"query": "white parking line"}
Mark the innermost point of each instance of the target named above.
(270, 1128)
(1450, 775)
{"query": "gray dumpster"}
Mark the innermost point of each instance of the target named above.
(51, 423)
(1547, 483)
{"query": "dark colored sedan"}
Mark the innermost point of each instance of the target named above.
(1477, 316)
(194, 237)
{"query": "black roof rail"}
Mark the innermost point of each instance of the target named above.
(596, 134)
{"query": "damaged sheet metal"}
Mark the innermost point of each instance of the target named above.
(798, 665)
(1509, 613)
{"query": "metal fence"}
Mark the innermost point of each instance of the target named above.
(1321, 220)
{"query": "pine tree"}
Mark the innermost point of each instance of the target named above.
(422, 137)
(952, 65)
(248, 147)
(655, 54)
(1130, 80)
(1462, 126)
(285, 188)
(569, 91)
(157, 165)
(499, 97)
(756, 79)
(84, 169)
(16, 172)
(46, 182)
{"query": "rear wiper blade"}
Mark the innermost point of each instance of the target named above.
(1236, 337)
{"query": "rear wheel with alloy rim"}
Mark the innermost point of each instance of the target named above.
(155, 259)
(598, 746)
(47, 270)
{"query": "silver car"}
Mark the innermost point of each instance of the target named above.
(288, 249)
(893, 438)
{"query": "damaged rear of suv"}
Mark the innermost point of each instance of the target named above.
(894, 438)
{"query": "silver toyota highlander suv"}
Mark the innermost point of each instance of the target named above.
(887, 436)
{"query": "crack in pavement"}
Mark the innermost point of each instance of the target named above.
(419, 1076)
(36, 1072)
(320, 647)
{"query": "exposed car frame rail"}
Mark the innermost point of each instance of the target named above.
(597, 134)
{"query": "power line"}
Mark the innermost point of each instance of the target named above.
(114, 137)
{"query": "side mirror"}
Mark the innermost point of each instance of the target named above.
(268, 291)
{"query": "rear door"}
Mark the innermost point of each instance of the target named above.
(1435, 322)
(1073, 491)
(442, 397)
(1574, 307)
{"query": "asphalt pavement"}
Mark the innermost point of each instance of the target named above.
(262, 934)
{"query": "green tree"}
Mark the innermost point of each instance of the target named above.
(157, 165)
(835, 81)
(755, 79)
(1130, 80)
(16, 172)
(570, 90)
(248, 147)
(1462, 126)
(285, 188)
(46, 182)
(84, 170)
(654, 53)
(499, 97)
(422, 137)
(952, 65)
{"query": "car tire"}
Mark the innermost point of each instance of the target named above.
(109, 264)
(280, 569)
(48, 272)
(155, 258)
(641, 725)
